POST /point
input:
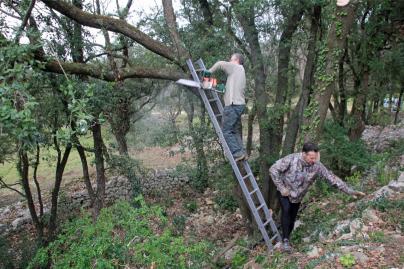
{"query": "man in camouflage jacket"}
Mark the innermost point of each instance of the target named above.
(292, 176)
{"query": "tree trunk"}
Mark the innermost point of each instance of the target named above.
(296, 119)
(23, 168)
(400, 100)
(246, 17)
(60, 166)
(278, 114)
(38, 188)
(327, 76)
(250, 124)
(358, 109)
(100, 169)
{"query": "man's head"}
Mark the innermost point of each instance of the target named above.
(237, 58)
(310, 153)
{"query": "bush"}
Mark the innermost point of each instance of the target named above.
(122, 236)
(340, 154)
(130, 168)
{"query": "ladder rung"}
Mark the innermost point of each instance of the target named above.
(267, 222)
(218, 115)
(261, 206)
(248, 175)
(211, 100)
(254, 191)
(274, 237)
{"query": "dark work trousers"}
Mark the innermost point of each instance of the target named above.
(288, 215)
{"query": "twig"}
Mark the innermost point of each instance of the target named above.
(8, 186)
(229, 246)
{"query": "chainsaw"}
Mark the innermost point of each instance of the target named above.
(210, 83)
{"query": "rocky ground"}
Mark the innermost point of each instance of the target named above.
(333, 230)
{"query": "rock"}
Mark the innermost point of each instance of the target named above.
(321, 237)
(347, 249)
(3, 228)
(360, 257)
(397, 186)
(306, 239)
(210, 220)
(314, 252)
(341, 226)
(252, 265)
(298, 223)
(209, 201)
(382, 192)
(401, 177)
(379, 138)
(229, 255)
(370, 215)
(19, 221)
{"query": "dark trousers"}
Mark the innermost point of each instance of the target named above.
(232, 127)
(288, 215)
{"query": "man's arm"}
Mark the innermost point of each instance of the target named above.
(336, 181)
(276, 169)
(221, 65)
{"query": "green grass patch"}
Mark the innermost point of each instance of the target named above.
(123, 236)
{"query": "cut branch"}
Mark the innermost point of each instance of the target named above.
(97, 72)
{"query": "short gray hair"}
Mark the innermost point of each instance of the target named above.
(239, 57)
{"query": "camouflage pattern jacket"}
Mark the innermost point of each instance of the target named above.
(294, 174)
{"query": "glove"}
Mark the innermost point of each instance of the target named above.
(206, 74)
(221, 88)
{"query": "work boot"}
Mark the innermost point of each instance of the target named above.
(286, 246)
(239, 156)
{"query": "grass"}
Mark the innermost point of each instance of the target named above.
(47, 166)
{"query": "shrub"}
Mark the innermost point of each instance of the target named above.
(122, 236)
(340, 154)
(130, 168)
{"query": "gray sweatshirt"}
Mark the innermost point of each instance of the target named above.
(235, 84)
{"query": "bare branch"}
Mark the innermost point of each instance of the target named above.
(170, 19)
(4, 185)
(24, 21)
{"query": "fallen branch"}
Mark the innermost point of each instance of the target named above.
(229, 246)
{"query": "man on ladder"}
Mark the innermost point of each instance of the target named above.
(234, 102)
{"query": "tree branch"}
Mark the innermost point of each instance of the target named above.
(170, 19)
(4, 185)
(111, 24)
(24, 21)
(97, 72)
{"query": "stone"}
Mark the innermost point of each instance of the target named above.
(314, 252)
(18, 222)
(210, 220)
(370, 215)
(252, 265)
(3, 228)
(347, 249)
(360, 257)
(341, 226)
(229, 255)
(298, 223)
(382, 192)
(401, 176)
(209, 201)
(397, 186)
(306, 239)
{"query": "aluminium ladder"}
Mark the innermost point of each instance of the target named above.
(248, 184)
